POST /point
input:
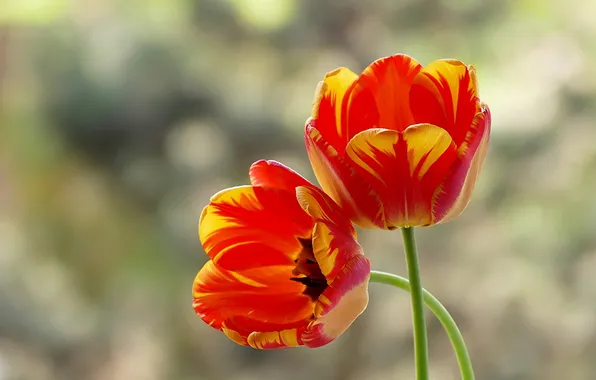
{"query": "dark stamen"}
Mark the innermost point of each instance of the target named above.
(310, 281)
(306, 265)
(306, 243)
(314, 287)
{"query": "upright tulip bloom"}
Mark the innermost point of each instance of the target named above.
(400, 145)
(285, 268)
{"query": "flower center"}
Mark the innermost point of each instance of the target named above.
(308, 272)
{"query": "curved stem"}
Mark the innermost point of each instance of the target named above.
(455, 336)
(420, 340)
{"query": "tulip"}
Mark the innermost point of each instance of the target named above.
(284, 267)
(401, 145)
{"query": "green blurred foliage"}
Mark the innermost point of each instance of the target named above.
(119, 119)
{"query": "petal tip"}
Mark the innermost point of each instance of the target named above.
(335, 72)
(274, 174)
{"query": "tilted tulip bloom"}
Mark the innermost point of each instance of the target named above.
(285, 268)
(400, 145)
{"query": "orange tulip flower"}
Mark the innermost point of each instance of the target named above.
(400, 145)
(285, 268)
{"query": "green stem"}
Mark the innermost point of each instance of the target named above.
(417, 296)
(455, 336)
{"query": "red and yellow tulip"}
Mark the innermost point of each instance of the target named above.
(285, 268)
(400, 145)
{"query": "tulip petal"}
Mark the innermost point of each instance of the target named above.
(445, 94)
(456, 191)
(250, 226)
(321, 207)
(276, 339)
(274, 174)
(334, 237)
(405, 169)
(329, 106)
(264, 295)
(333, 248)
(261, 335)
(341, 182)
(234, 335)
(340, 304)
(380, 98)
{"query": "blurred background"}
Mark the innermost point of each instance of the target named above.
(119, 119)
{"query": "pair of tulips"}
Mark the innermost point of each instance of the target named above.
(400, 145)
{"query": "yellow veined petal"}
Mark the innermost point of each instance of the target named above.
(405, 169)
(329, 106)
(341, 303)
(333, 249)
(274, 339)
(385, 86)
(322, 208)
(264, 294)
(456, 191)
(444, 93)
(426, 145)
(341, 182)
(243, 228)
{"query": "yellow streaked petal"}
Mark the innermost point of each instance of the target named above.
(321, 207)
(274, 339)
(445, 94)
(380, 141)
(341, 182)
(333, 249)
(242, 227)
(342, 302)
(322, 248)
(329, 106)
(266, 295)
(388, 81)
(405, 169)
(243, 196)
(333, 87)
(450, 71)
(426, 144)
(472, 176)
(234, 335)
